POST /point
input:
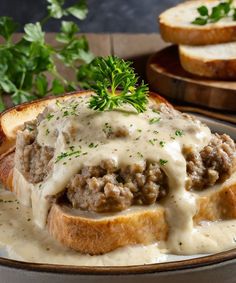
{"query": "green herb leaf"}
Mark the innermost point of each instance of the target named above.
(76, 50)
(163, 162)
(57, 87)
(68, 31)
(79, 10)
(162, 143)
(63, 155)
(55, 8)
(6, 85)
(49, 116)
(203, 11)
(21, 96)
(154, 120)
(218, 13)
(41, 84)
(2, 105)
(179, 133)
(34, 33)
(116, 84)
(222, 10)
(7, 27)
(152, 142)
(234, 15)
(200, 21)
(24, 65)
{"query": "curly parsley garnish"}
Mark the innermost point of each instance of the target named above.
(115, 84)
(222, 10)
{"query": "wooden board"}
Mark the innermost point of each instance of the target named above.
(166, 76)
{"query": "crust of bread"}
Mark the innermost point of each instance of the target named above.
(218, 69)
(14, 118)
(6, 170)
(194, 34)
(100, 235)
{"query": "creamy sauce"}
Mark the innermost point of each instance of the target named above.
(24, 241)
(79, 136)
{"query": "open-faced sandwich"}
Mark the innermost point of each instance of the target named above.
(119, 166)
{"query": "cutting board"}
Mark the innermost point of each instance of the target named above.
(166, 76)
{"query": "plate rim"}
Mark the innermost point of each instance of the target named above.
(122, 270)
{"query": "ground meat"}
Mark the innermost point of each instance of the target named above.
(32, 160)
(106, 188)
(215, 163)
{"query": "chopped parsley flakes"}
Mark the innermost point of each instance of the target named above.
(179, 133)
(49, 116)
(92, 145)
(163, 162)
(162, 143)
(154, 120)
(63, 155)
(139, 154)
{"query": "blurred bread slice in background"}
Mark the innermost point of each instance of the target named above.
(211, 61)
(176, 25)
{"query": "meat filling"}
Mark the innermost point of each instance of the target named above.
(106, 188)
(215, 163)
(32, 160)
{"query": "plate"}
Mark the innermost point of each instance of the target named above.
(219, 267)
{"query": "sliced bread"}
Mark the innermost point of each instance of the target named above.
(89, 233)
(176, 25)
(211, 61)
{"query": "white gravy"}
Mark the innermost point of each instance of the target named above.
(22, 240)
(157, 136)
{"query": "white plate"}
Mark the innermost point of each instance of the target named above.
(219, 267)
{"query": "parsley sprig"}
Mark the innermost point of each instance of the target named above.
(25, 66)
(115, 83)
(222, 10)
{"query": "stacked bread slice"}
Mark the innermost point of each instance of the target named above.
(207, 50)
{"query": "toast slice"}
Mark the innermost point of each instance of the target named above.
(212, 61)
(95, 233)
(176, 25)
(90, 233)
(81, 232)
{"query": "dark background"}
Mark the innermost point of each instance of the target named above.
(131, 16)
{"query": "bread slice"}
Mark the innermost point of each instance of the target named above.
(176, 26)
(100, 233)
(89, 233)
(212, 61)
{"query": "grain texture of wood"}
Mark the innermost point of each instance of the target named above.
(166, 76)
